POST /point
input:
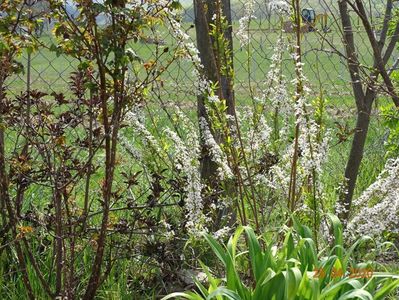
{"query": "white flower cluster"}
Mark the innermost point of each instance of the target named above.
(313, 151)
(378, 206)
(274, 94)
(128, 146)
(222, 233)
(137, 124)
(312, 145)
(262, 135)
(242, 33)
(276, 85)
(169, 232)
(183, 41)
(216, 152)
(202, 85)
(184, 153)
(280, 7)
(213, 98)
(279, 93)
(257, 136)
(281, 172)
(192, 55)
(186, 157)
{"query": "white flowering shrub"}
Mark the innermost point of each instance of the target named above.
(252, 149)
(257, 179)
(377, 209)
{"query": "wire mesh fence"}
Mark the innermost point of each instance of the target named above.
(322, 44)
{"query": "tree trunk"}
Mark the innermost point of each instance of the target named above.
(355, 156)
(364, 100)
(204, 11)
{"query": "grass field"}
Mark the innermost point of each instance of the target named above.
(322, 65)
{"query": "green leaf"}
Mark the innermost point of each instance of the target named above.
(334, 289)
(176, 5)
(388, 287)
(255, 254)
(189, 296)
(293, 279)
(222, 291)
(356, 294)
(232, 243)
(349, 253)
(338, 236)
(217, 249)
(232, 277)
(308, 288)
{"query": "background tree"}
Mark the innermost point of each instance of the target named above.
(365, 84)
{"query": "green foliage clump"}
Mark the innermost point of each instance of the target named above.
(293, 270)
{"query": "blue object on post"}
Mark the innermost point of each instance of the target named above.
(309, 16)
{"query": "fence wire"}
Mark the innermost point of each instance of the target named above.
(324, 67)
(323, 64)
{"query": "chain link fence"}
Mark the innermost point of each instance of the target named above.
(321, 47)
(324, 67)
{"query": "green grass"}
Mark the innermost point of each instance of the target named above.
(325, 72)
(51, 72)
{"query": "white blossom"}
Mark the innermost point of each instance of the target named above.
(186, 155)
(169, 232)
(137, 124)
(222, 233)
(280, 7)
(242, 33)
(216, 152)
(378, 206)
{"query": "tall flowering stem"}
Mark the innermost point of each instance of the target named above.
(217, 106)
(298, 95)
(224, 58)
